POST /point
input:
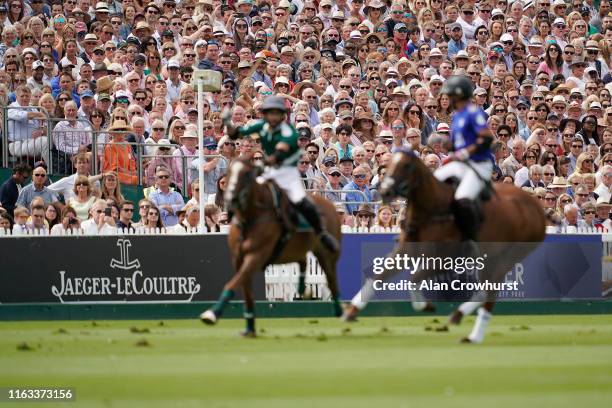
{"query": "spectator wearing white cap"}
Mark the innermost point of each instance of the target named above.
(508, 43)
(558, 32)
(174, 83)
(37, 79)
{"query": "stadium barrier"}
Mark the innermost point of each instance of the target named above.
(42, 268)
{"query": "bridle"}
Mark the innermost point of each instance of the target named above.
(403, 188)
(239, 201)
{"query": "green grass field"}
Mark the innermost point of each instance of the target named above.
(526, 361)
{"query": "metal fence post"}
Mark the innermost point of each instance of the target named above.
(184, 170)
(49, 145)
(139, 161)
(5, 144)
(94, 152)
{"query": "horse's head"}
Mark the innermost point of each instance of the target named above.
(401, 177)
(240, 178)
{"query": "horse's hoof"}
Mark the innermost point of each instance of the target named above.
(465, 340)
(208, 317)
(350, 314)
(455, 318)
(248, 334)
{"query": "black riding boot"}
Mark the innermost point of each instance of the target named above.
(309, 211)
(467, 220)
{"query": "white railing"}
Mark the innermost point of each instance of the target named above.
(282, 281)
(573, 230)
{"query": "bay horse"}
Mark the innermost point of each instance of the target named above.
(257, 227)
(511, 215)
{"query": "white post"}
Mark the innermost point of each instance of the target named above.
(202, 225)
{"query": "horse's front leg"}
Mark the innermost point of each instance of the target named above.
(249, 309)
(250, 264)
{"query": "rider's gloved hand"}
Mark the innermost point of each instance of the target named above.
(461, 155)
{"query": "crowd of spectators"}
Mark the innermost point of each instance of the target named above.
(99, 94)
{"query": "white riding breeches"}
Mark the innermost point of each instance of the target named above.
(288, 179)
(470, 184)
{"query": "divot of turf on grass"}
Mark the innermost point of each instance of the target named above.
(137, 330)
(522, 327)
(143, 343)
(23, 346)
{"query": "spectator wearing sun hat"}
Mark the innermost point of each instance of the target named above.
(118, 156)
(163, 157)
(185, 152)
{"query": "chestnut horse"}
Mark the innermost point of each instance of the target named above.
(511, 215)
(256, 229)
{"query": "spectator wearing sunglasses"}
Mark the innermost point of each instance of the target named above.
(357, 190)
(604, 189)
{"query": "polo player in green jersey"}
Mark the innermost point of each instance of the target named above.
(279, 141)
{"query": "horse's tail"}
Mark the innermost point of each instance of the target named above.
(552, 216)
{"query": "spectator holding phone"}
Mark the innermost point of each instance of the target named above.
(69, 222)
(100, 221)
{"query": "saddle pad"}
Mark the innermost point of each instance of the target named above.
(302, 224)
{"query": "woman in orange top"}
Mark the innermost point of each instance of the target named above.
(119, 156)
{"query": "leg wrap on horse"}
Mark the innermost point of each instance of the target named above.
(249, 316)
(477, 299)
(361, 299)
(225, 297)
(480, 326)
